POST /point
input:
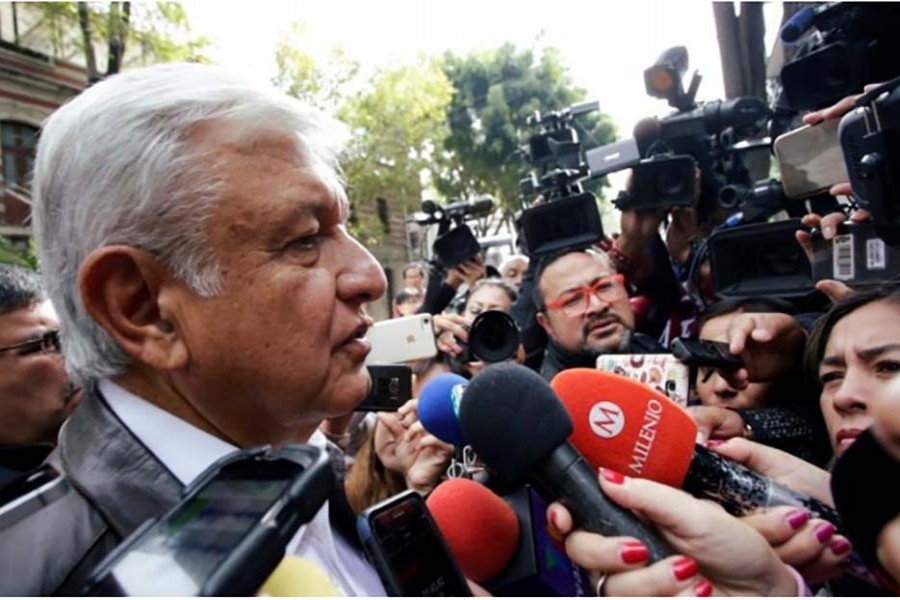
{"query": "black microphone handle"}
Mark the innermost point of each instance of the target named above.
(566, 477)
(741, 490)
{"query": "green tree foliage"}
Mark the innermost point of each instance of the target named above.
(112, 34)
(496, 91)
(395, 115)
(13, 254)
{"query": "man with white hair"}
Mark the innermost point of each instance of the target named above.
(192, 233)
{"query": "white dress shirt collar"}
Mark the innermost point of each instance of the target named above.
(184, 449)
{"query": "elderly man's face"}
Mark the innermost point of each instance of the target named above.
(282, 346)
(601, 325)
(35, 397)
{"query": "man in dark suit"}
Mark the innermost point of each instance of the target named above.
(192, 234)
(35, 394)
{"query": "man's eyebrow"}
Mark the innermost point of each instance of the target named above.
(581, 287)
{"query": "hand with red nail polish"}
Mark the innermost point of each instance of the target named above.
(809, 545)
(717, 552)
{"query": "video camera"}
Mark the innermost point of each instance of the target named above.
(870, 139)
(568, 216)
(456, 243)
(709, 135)
(842, 46)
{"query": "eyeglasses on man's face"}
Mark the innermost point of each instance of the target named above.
(47, 343)
(575, 303)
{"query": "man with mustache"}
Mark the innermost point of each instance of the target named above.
(583, 306)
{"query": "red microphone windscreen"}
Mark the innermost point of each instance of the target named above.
(624, 425)
(480, 528)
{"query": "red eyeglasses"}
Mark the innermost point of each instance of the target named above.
(576, 302)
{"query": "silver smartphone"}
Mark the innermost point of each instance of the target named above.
(401, 340)
(810, 159)
(29, 493)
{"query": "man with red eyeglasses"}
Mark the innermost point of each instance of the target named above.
(35, 394)
(583, 306)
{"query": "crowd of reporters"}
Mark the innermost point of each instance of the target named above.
(209, 299)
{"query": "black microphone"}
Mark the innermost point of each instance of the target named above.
(519, 428)
(864, 499)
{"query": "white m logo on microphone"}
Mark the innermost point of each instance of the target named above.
(606, 419)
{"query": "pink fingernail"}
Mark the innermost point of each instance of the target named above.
(824, 532)
(840, 546)
(797, 518)
(714, 443)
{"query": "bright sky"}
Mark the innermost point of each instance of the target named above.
(606, 44)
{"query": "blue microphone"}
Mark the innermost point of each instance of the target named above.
(439, 407)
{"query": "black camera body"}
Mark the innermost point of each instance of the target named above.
(870, 139)
(456, 243)
(568, 217)
(856, 255)
(661, 181)
(762, 259)
(855, 43)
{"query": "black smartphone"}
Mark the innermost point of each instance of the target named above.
(408, 550)
(229, 531)
(455, 247)
(391, 388)
(705, 353)
(30, 492)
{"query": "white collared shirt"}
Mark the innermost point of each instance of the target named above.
(187, 451)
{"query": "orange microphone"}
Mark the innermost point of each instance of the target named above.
(622, 424)
(480, 528)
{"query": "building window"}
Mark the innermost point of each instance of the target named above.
(18, 141)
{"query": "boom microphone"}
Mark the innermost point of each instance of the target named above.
(518, 427)
(624, 425)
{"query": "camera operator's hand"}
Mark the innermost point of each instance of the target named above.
(888, 548)
(836, 111)
(468, 272)
(449, 329)
(683, 229)
(728, 557)
(770, 344)
(784, 468)
(809, 545)
(638, 228)
(716, 423)
(833, 289)
(430, 459)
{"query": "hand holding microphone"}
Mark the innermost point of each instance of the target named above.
(726, 555)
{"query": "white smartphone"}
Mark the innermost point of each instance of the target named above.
(401, 340)
(810, 159)
(662, 372)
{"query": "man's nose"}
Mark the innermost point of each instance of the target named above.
(361, 278)
(595, 304)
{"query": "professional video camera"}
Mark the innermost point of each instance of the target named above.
(842, 46)
(568, 216)
(455, 243)
(712, 135)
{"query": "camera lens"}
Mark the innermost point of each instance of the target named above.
(493, 337)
